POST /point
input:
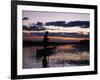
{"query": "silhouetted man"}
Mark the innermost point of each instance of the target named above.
(45, 42)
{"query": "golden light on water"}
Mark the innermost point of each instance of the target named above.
(53, 38)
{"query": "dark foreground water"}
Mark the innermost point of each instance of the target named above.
(55, 56)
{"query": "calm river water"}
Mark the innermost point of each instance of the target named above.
(55, 56)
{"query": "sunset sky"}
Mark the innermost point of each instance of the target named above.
(35, 16)
(32, 17)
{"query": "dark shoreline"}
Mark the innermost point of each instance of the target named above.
(29, 43)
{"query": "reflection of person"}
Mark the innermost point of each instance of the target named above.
(44, 61)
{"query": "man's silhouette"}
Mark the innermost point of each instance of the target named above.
(45, 42)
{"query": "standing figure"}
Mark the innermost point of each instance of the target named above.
(45, 42)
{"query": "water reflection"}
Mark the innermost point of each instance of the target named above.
(55, 56)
